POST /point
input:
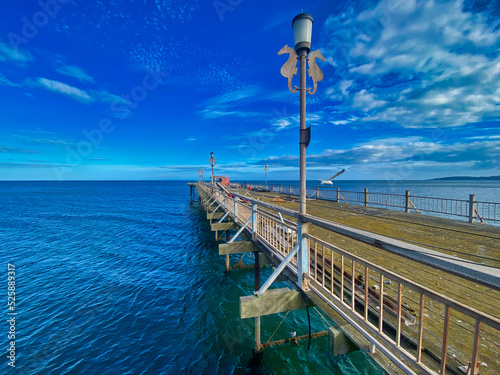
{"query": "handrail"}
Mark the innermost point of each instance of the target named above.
(328, 280)
(481, 274)
(465, 208)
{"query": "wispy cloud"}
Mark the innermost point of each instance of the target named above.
(75, 72)
(213, 113)
(88, 96)
(48, 142)
(9, 54)
(63, 89)
(32, 165)
(4, 81)
(15, 150)
(41, 138)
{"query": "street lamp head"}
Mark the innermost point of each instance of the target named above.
(211, 154)
(266, 168)
(302, 31)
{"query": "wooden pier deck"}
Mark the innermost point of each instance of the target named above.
(476, 243)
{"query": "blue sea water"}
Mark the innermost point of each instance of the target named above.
(125, 278)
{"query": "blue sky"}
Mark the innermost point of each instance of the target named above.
(147, 89)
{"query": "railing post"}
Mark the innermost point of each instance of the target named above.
(317, 192)
(290, 191)
(272, 188)
(407, 201)
(280, 188)
(366, 196)
(235, 209)
(338, 194)
(254, 220)
(472, 205)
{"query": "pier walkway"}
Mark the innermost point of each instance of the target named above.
(420, 295)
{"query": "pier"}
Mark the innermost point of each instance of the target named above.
(421, 294)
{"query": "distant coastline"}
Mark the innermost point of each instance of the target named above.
(465, 178)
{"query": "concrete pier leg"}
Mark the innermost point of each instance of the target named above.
(228, 265)
(339, 343)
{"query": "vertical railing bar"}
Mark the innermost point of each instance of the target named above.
(445, 339)
(323, 269)
(353, 285)
(381, 305)
(366, 293)
(315, 261)
(309, 257)
(332, 272)
(342, 278)
(475, 349)
(400, 297)
(420, 327)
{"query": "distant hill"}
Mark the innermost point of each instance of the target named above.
(466, 178)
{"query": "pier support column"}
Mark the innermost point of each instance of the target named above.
(339, 343)
(228, 266)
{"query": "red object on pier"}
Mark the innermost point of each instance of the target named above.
(224, 181)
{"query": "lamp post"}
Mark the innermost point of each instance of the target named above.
(266, 168)
(212, 160)
(302, 31)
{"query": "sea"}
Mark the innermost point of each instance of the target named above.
(124, 277)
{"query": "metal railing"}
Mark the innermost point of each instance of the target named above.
(446, 207)
(376, 301)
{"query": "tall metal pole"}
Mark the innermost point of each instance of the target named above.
(303, 58)
(303, 251)
(265, 170)
(212, 160)
(302, 31)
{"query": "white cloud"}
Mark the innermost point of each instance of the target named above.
(432, 62)
(64, 89)
(282, 123)
(366, 101)
(412, 152)
(7, 53)
(75, 72)
(344, 85)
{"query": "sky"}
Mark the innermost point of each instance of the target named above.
(146, 89)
